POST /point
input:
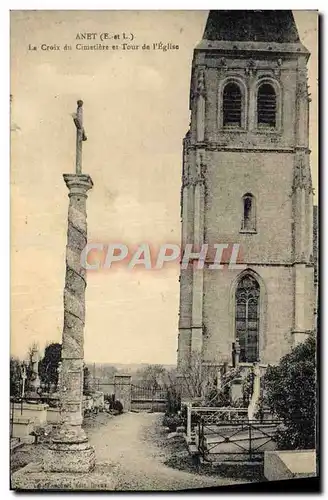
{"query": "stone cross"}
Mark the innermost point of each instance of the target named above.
(34, 383)
(80, 135)
(69, 450)
(35, 369)
(235, 353)
(24, 377)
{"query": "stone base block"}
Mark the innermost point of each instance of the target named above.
(27, 440)
(33, 477)
(73, 459)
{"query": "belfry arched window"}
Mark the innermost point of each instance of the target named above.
(266, 106)
(247, 318)
(232, 105)
(248, 222)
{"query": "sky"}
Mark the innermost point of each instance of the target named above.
(136, 113)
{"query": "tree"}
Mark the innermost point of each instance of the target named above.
(173, 396)
(197, 378)
(290, 393)
(48, 366)
(152, 376)
(15, 377)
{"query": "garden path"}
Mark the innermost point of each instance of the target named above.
(137, 446)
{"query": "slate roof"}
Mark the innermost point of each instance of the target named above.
(251, 25)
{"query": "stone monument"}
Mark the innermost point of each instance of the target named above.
(253, 405)
(70, 460)
(70, 435)
(34, 383)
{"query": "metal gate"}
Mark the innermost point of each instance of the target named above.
(148, 398)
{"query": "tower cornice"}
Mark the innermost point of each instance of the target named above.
(230, 47)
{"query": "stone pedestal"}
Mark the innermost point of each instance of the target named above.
(53, 416)
(236, 390)
(69, 450)
(33, 478)
(68, 457)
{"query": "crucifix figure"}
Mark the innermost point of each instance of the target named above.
(80, 135)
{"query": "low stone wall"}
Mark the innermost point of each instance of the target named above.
(148, 405)
(291, 464)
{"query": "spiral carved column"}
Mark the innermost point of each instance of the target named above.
(69, 449)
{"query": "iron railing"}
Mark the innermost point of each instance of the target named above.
(236, 440)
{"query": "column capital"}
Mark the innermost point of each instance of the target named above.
(78, 183)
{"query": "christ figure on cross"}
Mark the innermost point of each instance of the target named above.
(80, 135)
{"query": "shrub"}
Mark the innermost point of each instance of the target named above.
(117, 406)
(172, 421)
(173, 404)
(291, 394)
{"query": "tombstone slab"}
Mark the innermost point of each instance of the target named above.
(37, 413)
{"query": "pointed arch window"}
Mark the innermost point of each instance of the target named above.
(247, 318)
(232, 105)
(249, 215)
(266, 106)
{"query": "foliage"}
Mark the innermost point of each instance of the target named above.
(291, 395)
(248, 387)
(15, 377)
(220, 396)
(152, 376)
(173, 397)
(109, 398)
(197, 378)
(48, 366)
(117, 406)
(173, 401)
(172, 421)
(113, 404)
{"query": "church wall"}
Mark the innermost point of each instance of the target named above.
(277, 309)
(268, 176)
(309, 298)
(271, 164)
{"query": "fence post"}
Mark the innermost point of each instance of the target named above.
(188, 422)
(123, 390)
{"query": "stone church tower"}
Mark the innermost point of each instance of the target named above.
(247, 180)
